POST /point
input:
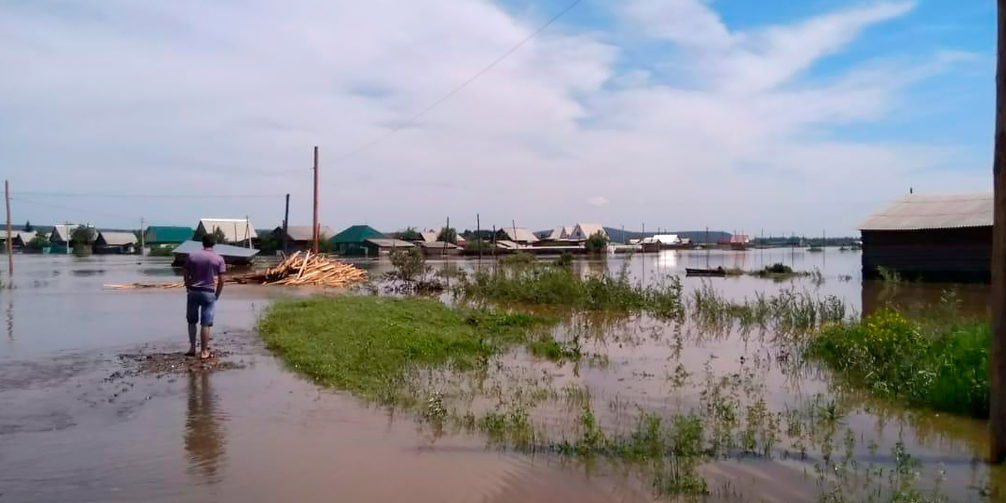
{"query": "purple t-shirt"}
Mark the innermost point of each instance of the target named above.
(203, 267)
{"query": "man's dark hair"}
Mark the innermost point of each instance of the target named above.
(209, 241)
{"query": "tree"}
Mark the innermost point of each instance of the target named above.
(596, 243)
(409, 234)
(27, 226)
(41, 240)
(409, 263)
(448, 234)
(84, 235)
(325, 244)
(219, 236)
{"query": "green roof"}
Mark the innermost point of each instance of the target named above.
(357, 234)
(165, 234)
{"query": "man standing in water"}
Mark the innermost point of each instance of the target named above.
(204, 281)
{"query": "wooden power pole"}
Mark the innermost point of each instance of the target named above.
(997, 415)
(315, 226)
(10, 242)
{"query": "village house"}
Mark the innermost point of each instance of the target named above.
(517, 235)
(115, 242)
(19, 239)
(931, 237)
(300, 237)
(163, 235)
(352, 241)
(235, 230)
(583, 231)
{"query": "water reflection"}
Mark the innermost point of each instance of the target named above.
(10, 317)
(970, 299)
(204, 434)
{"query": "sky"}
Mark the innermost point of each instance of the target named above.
(772, 117)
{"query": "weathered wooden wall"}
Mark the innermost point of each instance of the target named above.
(962, 254)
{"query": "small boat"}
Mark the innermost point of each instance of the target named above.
(815, 248)
(719, 272)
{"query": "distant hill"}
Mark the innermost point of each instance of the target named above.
(616, 236)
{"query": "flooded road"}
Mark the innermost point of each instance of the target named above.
(79, 423)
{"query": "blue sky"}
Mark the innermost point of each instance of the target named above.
(787, 116)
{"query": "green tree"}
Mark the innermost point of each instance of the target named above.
(448, 234)
(27, 226)
(82, 238)
(596, 243)
(84, 234)
(409, 234)
(219, 236)
(325, 244)
(409, 263)
(41, 240)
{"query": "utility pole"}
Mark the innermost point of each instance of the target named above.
(478, 235)
(447, 231)
(286, 227)
(142, 240)
(248, 230)
(10, 242)
(997, 407)
(315, 226)
(514, 237)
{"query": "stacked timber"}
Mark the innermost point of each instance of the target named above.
(297, 270)
(307, 269)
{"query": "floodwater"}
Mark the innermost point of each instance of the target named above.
(80, 423)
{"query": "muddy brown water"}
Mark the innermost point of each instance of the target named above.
(78, 422)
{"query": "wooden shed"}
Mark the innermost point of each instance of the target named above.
(931, 238)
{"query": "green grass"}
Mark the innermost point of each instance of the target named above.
(551, 285)
(367, 344)
(938, 364)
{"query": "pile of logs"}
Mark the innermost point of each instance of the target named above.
(297, 270)
(307, 269)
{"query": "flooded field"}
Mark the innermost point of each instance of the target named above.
(93, 406)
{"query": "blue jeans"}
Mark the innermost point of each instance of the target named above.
(201, 302)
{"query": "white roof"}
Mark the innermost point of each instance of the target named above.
(558, 233)
(667, 239)
(389, 243)
(234, 229)
(117, 238)
(24, 236)
(520, 235)
(587, 230)
(916, 212)
(429, 236)
(62, 231)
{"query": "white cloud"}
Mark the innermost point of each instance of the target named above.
(194, 97)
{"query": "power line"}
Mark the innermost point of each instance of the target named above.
(69, 208)
(157, 196)
(464, 84)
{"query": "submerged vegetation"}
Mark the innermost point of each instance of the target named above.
(367, 344)
(466, 369)
(525, 281)
(940, 364)
(788, 311)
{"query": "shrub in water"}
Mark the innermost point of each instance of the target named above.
(941, 364)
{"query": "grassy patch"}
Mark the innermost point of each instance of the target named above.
(548, 284)
(942, 365)
(367, 344)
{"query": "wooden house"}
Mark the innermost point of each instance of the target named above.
(931, 238)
